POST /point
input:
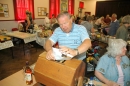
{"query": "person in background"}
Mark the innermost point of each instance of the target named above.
(88, 25)
(56, 25)
(120, 20)
(47, 21)
(107, 20)
(122, 32)
(85, 16)
(53, 20)
(73, 18)
(114, 25)
(72, 38)
(113, 68)
(77, 19)
(99, 22)
(28, 22)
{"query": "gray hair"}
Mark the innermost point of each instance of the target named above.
(115, 47)
(89, 18)
(65, 13)
(126, 19)
(114, 15)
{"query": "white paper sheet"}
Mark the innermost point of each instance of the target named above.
(58, 55)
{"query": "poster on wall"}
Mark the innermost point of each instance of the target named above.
(42, 11)
(1, 8)
(63, 5)
(4, 12)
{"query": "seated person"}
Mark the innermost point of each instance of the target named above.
(122, 32)
(87, 24)
(113, 68)
(53, 20)
(47, 21)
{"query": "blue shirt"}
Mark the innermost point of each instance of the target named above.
(113, 28)
(107, 66)
(73, 39)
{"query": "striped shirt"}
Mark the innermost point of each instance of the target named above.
(73, 39)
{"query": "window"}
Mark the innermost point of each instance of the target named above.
(20, 6)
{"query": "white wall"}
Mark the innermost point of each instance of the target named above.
(14, 24)
(9, 23)
(89, 6)
(40, 3)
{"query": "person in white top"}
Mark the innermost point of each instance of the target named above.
(99, 22)
(47, 21)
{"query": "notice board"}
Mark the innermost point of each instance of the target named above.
(4, 11)
(42, 11)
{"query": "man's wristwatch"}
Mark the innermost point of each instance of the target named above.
(77, 52)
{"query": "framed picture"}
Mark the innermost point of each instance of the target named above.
(4, 11)
(42, 11)
(63, 5)
(89, 13)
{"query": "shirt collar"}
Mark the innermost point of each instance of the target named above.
(115, 20)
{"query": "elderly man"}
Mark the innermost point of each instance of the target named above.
(114, 25)
(72, 38)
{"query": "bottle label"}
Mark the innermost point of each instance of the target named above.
(28, 77)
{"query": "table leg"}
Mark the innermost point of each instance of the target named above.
(23, 49)
(12, 52)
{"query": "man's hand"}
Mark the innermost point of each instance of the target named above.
(67, 50)
(50, 55)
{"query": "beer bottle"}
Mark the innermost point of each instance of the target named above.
(28, 74)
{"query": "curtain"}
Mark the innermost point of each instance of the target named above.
(20, 6)
(71, 6)
(54, 6)
(121, 8)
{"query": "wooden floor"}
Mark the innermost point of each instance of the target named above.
(9, 66)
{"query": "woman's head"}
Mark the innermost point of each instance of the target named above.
(116, 47)
(27, 12)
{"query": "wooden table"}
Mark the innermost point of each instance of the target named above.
(17, 79)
